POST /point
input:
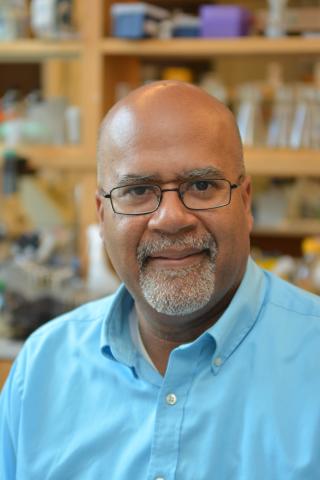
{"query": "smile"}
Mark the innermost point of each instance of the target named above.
(173, 259)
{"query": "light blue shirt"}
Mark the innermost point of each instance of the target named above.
(242, 402)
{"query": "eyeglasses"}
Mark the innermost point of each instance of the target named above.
(200, 194)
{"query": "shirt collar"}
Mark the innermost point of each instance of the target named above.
(115, 339)
(227, 333)
(240, 316)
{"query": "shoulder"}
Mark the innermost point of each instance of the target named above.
(66, 336)
(66, 344)
(80, 318)
(284, 296)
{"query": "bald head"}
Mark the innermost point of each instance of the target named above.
(164, 113)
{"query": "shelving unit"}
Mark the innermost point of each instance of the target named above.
(54, 157)
(37, 50)
(204, 48)
(259, 161)
(282, 162)
(104, 61)
(123, 60)
(290, 229)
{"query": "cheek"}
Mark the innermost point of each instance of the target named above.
(230, 228)
(121, 236)
(232, 237)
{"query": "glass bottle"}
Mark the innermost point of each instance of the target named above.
(281, 118)
(249, 115)
(275, 25)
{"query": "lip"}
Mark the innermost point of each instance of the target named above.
(175, 258)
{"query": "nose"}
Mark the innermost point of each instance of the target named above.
(172, 216)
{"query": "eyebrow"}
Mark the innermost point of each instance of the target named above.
(202, 172)
(129, 179)
(211, 172)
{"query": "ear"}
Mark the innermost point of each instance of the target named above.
(246, 194)
(100, 211)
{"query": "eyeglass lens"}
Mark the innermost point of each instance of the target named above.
(196, 194)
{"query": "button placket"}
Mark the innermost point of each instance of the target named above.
(169, 415)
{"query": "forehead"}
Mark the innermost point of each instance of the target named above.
(177, 162)
(168, 144)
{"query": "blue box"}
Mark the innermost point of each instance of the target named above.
(136, 20)
(186, 25)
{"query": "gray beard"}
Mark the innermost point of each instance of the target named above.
(178, 291)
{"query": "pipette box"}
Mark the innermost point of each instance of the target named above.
(136, 20)
(224, 21)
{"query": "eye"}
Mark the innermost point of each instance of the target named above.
(202, 185)
(138, 190)
(135, 191)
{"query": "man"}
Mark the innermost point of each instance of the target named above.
(201, 366)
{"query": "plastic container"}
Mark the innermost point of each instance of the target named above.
(224, 21)
(186, 26)
(13, 19)
(136, 20)
(52, 19)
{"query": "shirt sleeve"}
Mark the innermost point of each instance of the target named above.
(10, 406)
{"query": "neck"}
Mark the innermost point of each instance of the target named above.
(162, 333)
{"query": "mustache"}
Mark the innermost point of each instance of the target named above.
(157, 246)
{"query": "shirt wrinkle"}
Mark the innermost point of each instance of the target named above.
(294, 310)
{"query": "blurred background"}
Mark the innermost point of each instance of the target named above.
(63, 63)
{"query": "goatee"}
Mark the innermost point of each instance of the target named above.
(178, 291)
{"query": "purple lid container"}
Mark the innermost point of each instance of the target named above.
(224, 21)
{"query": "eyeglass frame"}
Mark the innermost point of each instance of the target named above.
(232, 186)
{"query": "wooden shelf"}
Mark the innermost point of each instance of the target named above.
(201, 48)
(282, 162)
(289, 228)
(57, 157)
(27, 50)
(259, 161)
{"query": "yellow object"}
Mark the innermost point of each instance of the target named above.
(267, 263)
(308, 275)
(311, 245)
(177, 73)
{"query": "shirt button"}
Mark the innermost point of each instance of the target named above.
(159, 478)
(171, 399)
(217, 361)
